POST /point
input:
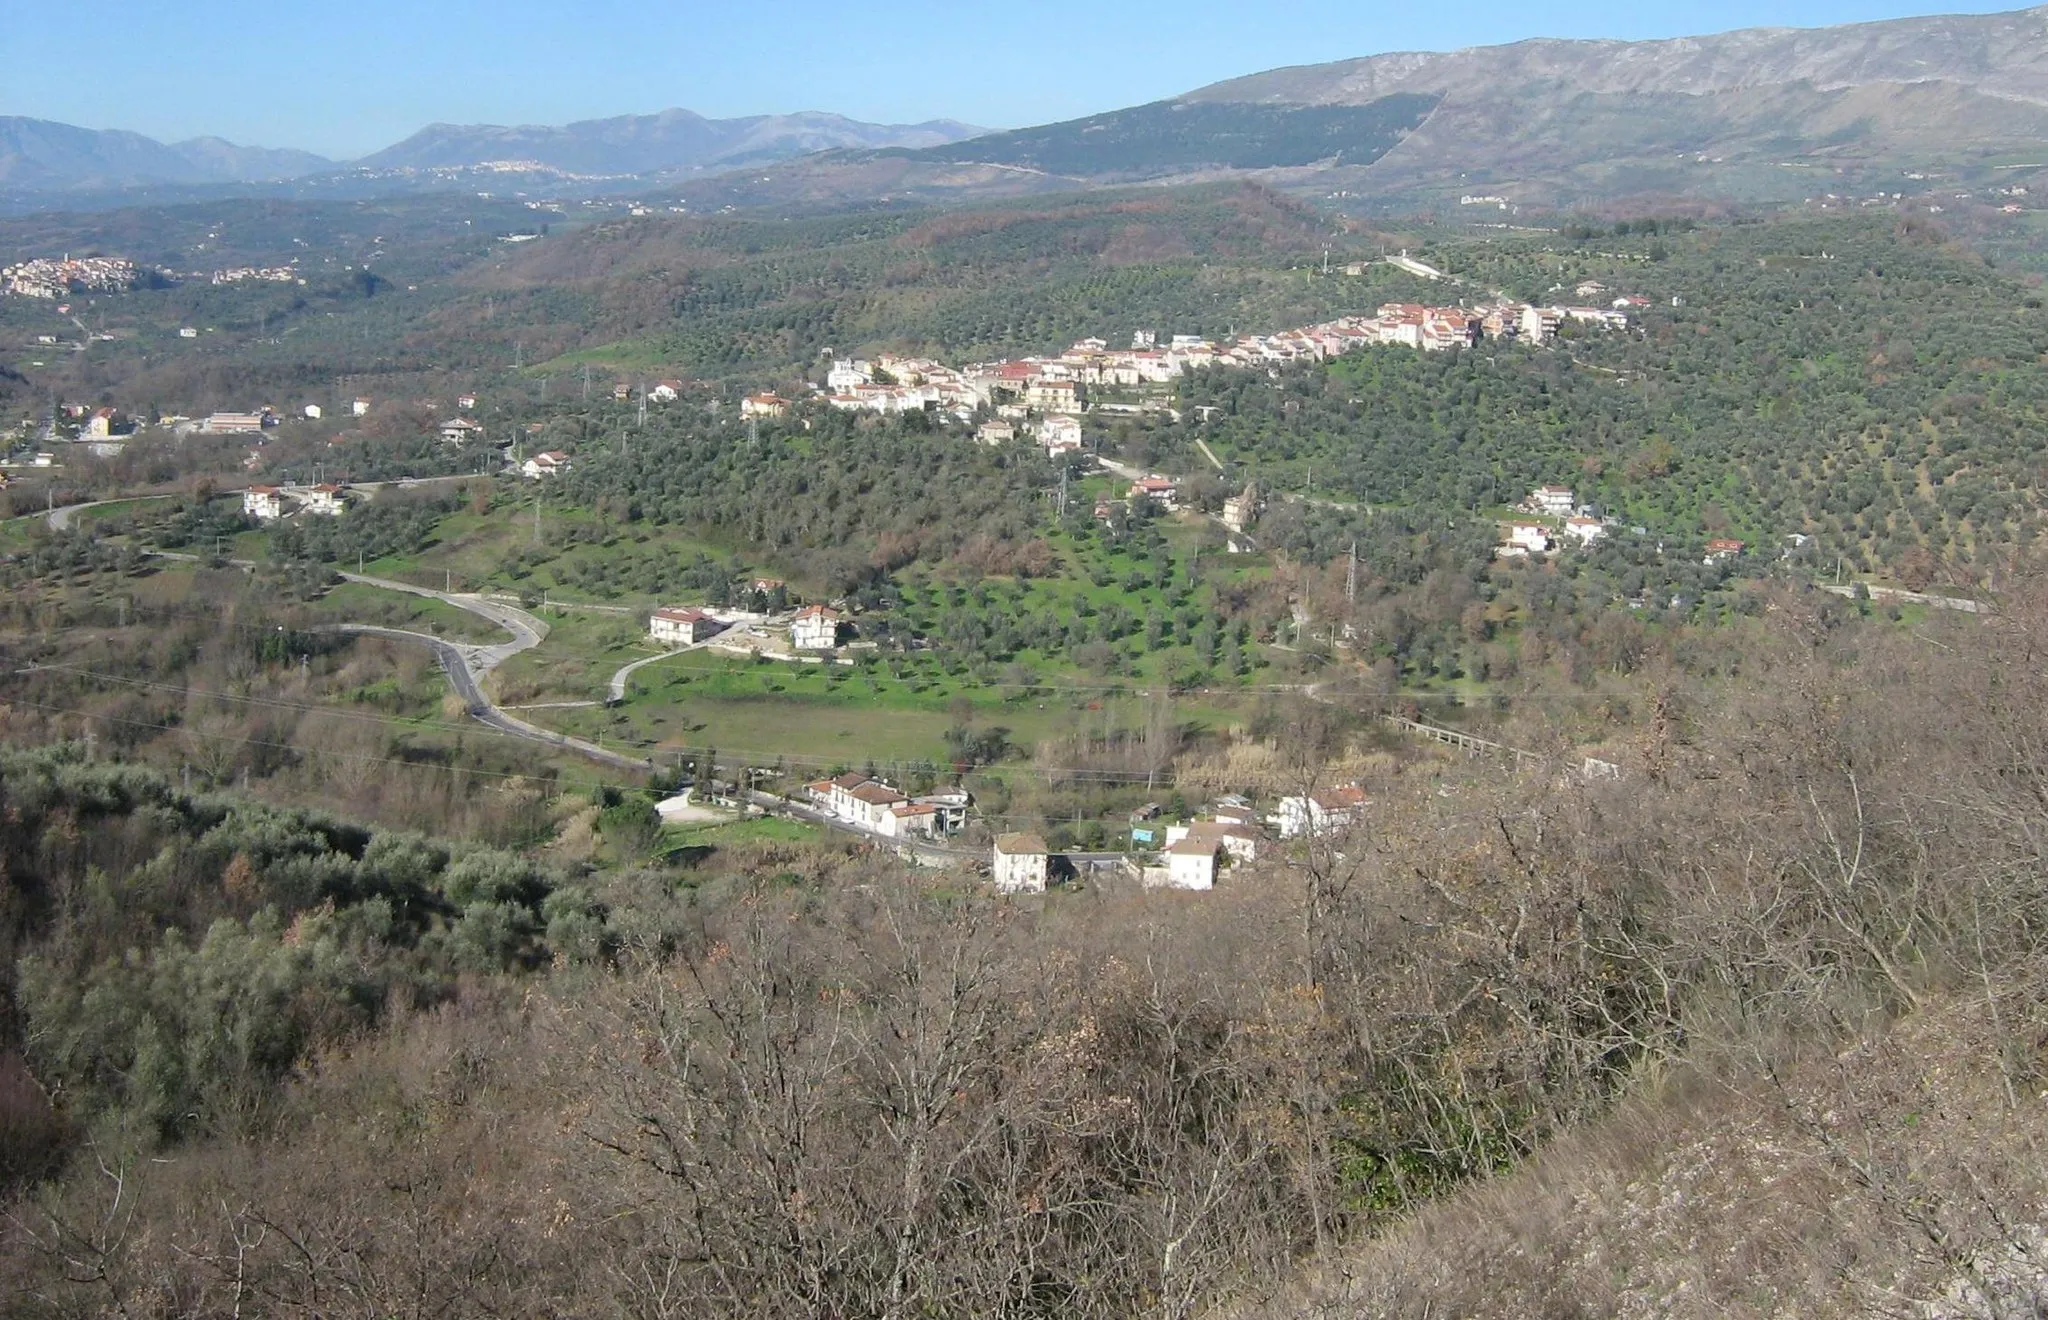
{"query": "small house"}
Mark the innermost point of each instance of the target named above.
(460, 430)
(1021, 864)
(1060, 435)
(327, 500)
(263, 503)
(545, 464)
(1324, 812)
(764, 405)
(671, 626)
(1191, 864)
(1163, 491)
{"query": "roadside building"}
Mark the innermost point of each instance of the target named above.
(460, 430)
(815, 628)
(1191, 864)
(675, 626)
(1021, 864)
(327, 501)
(1241, 510)
(263, 503)
(1240, 839)
(224, 423)
(907, 820)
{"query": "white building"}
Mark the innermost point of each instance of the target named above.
(673, 626)
(845, 375)
(997, 432)
(1021, 864)
(1060, 435)
(263, 503)
(764, 405)
(1320, 813)
(1191, 864)
(1585, 530)
(1557, 501)
(1524, 539)
(460, 430)
(325, 500)
(815, 628)
(360, 407)
(545, 465)
(1238, 838)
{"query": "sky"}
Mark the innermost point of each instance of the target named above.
(347, 79)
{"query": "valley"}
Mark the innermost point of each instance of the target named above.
(1401, 687)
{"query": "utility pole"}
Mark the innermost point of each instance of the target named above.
(1351, 577)
(586, 382)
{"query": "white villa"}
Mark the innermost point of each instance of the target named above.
(815, 628)
(672, 626)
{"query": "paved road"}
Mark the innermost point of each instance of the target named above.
(618, 687)
(467, 664)
(458, 661)
(60, 520)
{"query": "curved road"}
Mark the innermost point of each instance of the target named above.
(466, 663)
(618, 687)
(60, 520)
(461, 665)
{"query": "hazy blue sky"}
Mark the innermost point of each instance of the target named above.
(351, 77)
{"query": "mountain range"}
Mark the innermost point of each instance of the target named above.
(1753, 115)
(1759, 114)
(39, 156)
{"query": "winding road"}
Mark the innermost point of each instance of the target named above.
(467, 663)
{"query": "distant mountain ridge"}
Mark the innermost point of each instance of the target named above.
(2002, 55)
(40, 155)
(674, 140)
(1757, 115)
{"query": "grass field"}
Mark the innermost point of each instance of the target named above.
(823, 716)
(355, 603)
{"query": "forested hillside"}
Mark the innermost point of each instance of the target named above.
(1865, 384)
